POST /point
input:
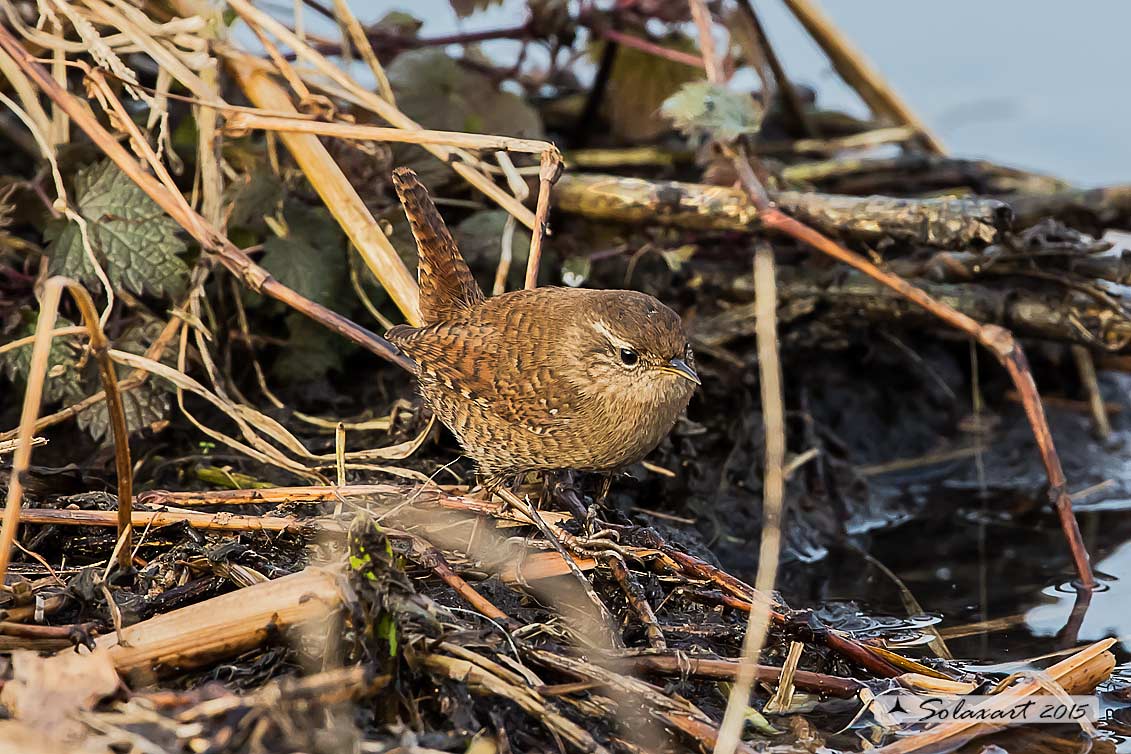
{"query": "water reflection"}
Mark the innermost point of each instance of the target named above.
(1108, 614)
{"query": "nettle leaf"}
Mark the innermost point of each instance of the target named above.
(64, 377)
(437, 91)
(311, 258)
(145, 407)
(640, 82)
(480, 237)
(134, 240)
(254, 195)
(702, 109)
(310, 353)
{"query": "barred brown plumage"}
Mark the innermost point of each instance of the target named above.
(543, 379)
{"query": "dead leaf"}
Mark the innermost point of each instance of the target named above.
(45, 693)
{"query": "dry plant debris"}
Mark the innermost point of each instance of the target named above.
(304, 567)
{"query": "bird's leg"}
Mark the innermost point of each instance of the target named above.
(592, 515)
(606, 485)
(566, 492)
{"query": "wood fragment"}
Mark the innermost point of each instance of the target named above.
(723, 669)
(942, 223)
(226, 625)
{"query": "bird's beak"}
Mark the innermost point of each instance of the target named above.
(679, 366)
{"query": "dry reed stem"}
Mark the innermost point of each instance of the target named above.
(37, 372)
(207, 521)
(339, 196)
(373, 102)
(361, 41)
(773, 493)
(240, 121)
(857, 72)
(226, 625)
(249, 273)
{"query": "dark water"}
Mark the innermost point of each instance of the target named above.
(984, 559)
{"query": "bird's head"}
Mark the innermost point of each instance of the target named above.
(633, 345)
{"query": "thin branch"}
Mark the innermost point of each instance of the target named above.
(549, 173)
(773, 492)
(793, 105)
(652, 48)
(33, 394)
(711, 62)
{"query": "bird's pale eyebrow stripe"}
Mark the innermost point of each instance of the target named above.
(603, 329)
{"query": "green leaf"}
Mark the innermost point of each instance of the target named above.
(438, 92)
(136, 243)
(64, 379)
(145, 406)
(311, 257)
(259, 193)
(702, 109)
(480, 237)
(311, 351)
(640, 82)
(576, 270)
(400, 23)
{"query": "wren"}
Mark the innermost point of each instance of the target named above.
(539, 380)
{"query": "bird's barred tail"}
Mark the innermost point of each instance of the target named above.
(447, 288)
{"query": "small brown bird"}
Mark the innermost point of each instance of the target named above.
(543, 379)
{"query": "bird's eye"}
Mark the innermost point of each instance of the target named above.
(629, 357)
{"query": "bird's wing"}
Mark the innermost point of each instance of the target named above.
(447, 288)
(500, 373)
